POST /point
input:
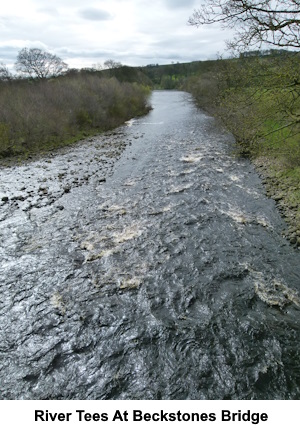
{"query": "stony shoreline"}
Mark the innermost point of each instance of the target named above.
(43, 179)
(272, 175)
(279, 188)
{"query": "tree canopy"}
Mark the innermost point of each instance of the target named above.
(112, 64)
(255, 22)
(39, 64)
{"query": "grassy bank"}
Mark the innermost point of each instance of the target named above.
(42, 115)
(258, 100)
(278, 161)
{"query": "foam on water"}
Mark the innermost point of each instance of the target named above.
(178, 285)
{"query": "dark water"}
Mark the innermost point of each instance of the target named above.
(170, 280)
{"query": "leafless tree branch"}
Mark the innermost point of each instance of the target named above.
(39, 64)
(256, 22)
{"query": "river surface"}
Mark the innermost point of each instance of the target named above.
(146, 263)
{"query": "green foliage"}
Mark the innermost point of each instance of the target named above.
(175, 76)
(4, 139)
(258, 100)
(83, 119)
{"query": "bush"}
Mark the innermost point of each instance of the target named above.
(258, 100)
(40, 114)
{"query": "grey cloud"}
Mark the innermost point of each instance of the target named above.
(175, 4)
(8, 54)
(65, 52)
(94, 14)
(160, 52)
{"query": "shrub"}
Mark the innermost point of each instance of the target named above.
(36, 114)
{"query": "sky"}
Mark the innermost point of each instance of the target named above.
(88, 32)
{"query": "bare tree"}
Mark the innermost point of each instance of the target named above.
(5, 74)
(97, 66)
(255, 22)
(112, 64)
(39, 64)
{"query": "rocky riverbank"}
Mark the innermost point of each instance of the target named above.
(43, 179)
(285, 190)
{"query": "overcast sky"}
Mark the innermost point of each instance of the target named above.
(85, 32)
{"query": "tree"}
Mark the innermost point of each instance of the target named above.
(39, 64)
(97, 67)
(5, 74)
(255, 22)
(111, 64)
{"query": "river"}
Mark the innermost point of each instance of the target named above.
(146, 263)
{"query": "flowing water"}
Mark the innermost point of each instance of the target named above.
(162, 275)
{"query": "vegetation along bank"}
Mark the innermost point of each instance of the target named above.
(40, 111)
(255, 95)
(257, 98)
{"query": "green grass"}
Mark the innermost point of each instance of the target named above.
(281, 168)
